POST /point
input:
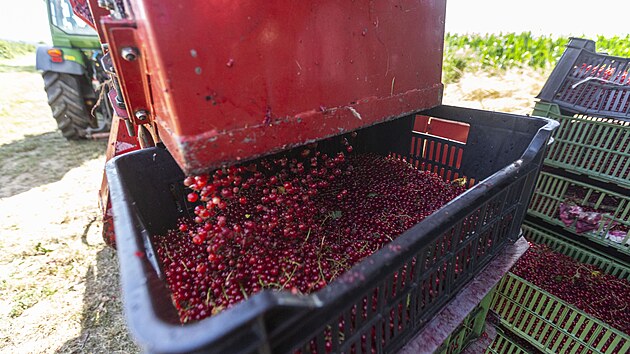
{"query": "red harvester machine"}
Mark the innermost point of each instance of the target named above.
(203, 84)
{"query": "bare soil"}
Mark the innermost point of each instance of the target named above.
(59, 288)
(513, 91)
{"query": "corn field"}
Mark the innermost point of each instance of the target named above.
(471, 52)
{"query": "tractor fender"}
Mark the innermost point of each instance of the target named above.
(68, 66)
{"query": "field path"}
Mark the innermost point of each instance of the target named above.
(58, 281)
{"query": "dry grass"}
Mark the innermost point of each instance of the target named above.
(58, 281)
(512, 91)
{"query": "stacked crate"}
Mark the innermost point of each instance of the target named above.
(549, 323)
(470, 329)
(584, 188)
(581, 203)
(505, 344)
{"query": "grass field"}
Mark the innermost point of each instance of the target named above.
(10, 50)
(58, 281)
(471, 53)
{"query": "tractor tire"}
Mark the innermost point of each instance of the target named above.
(67, 104)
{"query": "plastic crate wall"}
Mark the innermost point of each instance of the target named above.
(471, 328)
(553, 190)
(503, 343)
(550, 324)
(588, 82)
(537, 234)
(596, 147)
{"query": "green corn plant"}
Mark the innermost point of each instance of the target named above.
(474, 52)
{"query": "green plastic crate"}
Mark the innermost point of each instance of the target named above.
(537, 234)
(550, 324)
(593, 146)
(471, 328)
(503, 344)
(552, 190)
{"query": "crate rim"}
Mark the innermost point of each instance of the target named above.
(594, 43)
(169, 334)
(556, 110)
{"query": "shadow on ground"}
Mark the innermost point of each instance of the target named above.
(103, 328)
(40, 159)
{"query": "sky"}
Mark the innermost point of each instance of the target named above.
(541, 17)
(25, 20)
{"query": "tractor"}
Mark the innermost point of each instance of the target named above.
(74, 78)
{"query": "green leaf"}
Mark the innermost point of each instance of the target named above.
(247, 216)
(372, 195)
(335, 214)
(41, 249)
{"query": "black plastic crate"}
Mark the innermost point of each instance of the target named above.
(588, 82)
(408, 281)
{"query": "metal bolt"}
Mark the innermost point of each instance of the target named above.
(129, 53)
(130, 129)
(106, 4)
(142, 114)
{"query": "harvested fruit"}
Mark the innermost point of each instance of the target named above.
(582, 285)
(584, 220)
(602, 86)
(586, 211)
(292, 223)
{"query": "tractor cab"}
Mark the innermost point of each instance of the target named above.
(67, 29)
(72, 73)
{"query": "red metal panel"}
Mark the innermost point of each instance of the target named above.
(232, 80)
(97, 13)
(119, 143)
(132, 74)
(90, 13)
